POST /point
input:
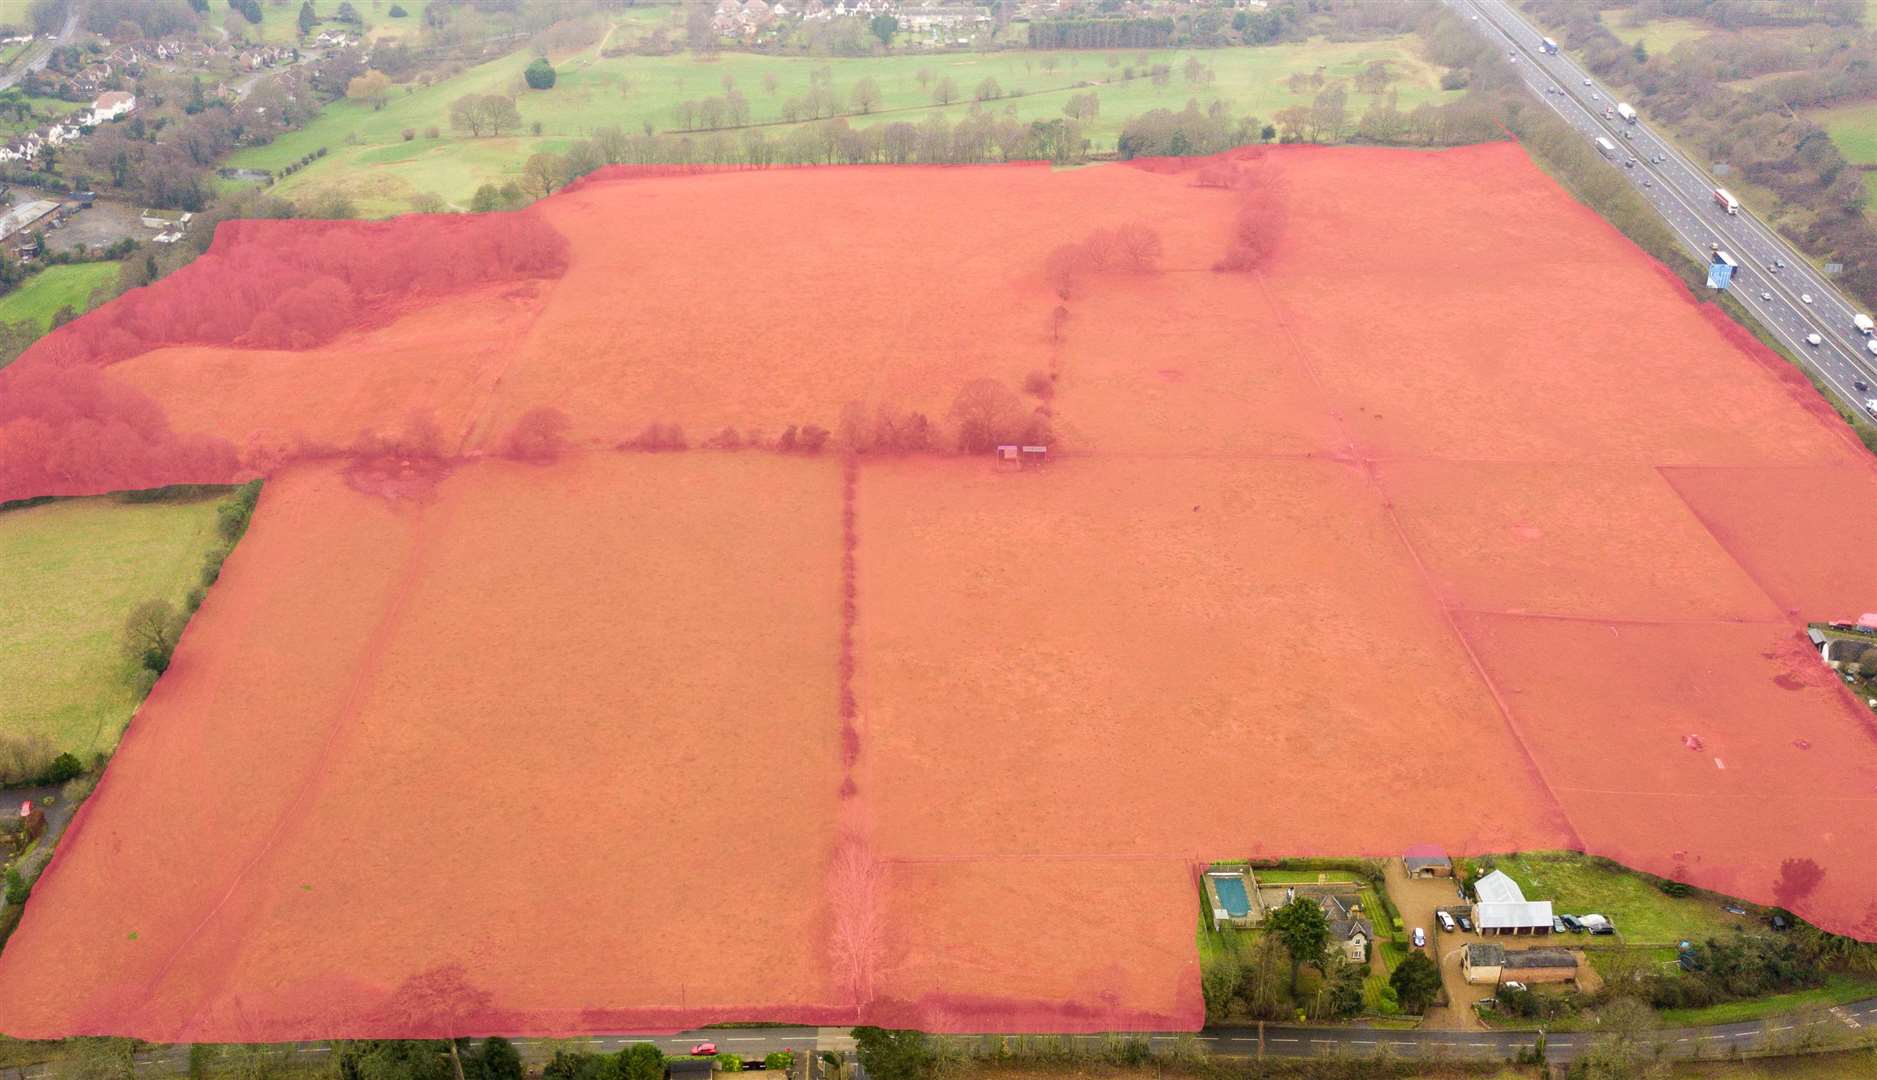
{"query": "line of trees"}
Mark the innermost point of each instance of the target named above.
(1101, 33)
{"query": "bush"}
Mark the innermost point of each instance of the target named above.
(409, 134)
(729, 1063)
(64, 767)
(397, 11)
(17, 888)
(540, 74)
(782, 1060)
(431, 132)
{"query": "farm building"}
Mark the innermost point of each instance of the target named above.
(22, 219)
(1485, 963)
(166, 220)
(1501, 907)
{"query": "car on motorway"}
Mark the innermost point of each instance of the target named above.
(1646, 182)
(1870, 406)
(1781, 263)
(1860, 386)
(1805, 297)
(1586, 82)
(1420, 938)
(1596, 97)
(704, 1049)
(1814, 340)
(1766, 296)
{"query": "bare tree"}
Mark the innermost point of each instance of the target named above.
(987, 413)
(150, 634)
(946, 91)
(866, 96)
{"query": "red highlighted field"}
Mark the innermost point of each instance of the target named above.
(1377, 544)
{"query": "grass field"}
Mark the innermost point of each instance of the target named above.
(1659, 35)
(39, 297)
(70, 572)
(1643, 914)
(370, 161)
(1854, 129)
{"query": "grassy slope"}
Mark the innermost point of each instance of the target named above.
(43, 294)
(369, 160)
(1643, 914)
(1838, 989)
(1854, 129)
(70, 573)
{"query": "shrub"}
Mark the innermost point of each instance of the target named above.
(17, 888)
(431, 132)
(64, 767)
(729, 1063)
(24, 757)
(409, 134)
(397, 11)
(813, 438)
(540, 74)
(778, 1060)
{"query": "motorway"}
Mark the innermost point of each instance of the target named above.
(1271, 1040)
(1683, 193)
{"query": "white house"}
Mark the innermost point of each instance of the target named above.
(111, 105)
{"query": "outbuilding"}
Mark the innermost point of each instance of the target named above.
(1426, 861)
(1488, 964)
(1500, 907)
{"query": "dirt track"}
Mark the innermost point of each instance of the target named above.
(1374, 547)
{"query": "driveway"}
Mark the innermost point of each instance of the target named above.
(1417, 898)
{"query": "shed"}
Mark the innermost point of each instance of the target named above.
(167, 220)
(25, 217)
(1818, 639)
(1427, 861)
(1539, 965)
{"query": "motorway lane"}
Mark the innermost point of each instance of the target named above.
(1684, 195)
(1272, 1040)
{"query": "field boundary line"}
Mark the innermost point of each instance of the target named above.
(1420, 566)
(369, 664)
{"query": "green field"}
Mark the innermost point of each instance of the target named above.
(369, 160)
(1854, 129)
(39, 297)
(70, 573)
(1838, 989)
(1643, 914)
(1659, 35)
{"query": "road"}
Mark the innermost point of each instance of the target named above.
(1271, 1041)
(43, 49)
(1683, 193)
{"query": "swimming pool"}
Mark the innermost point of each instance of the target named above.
(1231, 890)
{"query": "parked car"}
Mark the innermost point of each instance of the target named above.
(1446, 921)
(1571, 924)
(1420, 938)
(1466, 924)
(704, 1049)
(1557, 925)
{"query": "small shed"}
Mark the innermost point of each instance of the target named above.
(166, 220)
(1426, 861)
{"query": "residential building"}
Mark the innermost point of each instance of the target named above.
(1350, 931)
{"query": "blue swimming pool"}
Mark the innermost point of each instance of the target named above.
(1231, 890)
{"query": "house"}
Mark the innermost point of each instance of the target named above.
(1500, 907)
(166, 220)
(111, 105)
(1487, 964)
(1349, 930)
(1427, 861)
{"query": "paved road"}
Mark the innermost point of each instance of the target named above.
(1271, 1041)
(43, 49)
(1684, 195)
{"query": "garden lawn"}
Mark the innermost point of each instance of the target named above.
(70, 573)
(1643, 914)
(369, 160)
(39, 297)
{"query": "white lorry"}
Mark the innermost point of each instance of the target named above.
(1863, 324)
(1623, 110)
(1725, 200)
(1606, 148)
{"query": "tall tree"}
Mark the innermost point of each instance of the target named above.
(308, 17)
(1303, 928)
(1416, 981)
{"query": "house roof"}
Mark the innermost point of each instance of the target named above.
(1528, 959)
(1485, 954)
(1497, 888)
(1508, 915)
(1422, 856)
(1341, 913)
(111, 99)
